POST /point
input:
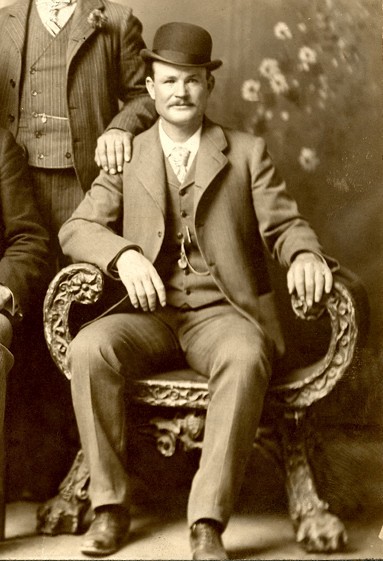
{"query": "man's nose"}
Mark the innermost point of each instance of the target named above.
(180, 90)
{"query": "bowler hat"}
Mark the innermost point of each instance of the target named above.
(182, 44)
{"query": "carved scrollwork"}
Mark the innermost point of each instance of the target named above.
(319, 379)
(172, 394)
(81, 283)
(185, 429)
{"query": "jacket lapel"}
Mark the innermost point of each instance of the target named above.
(210, 157)
(150, 168)
(81, 29)
(18, 15)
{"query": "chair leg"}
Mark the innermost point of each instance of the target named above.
(65, 513)
(317, 530)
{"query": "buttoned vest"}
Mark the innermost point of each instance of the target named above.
(44, 126)
(184, 288)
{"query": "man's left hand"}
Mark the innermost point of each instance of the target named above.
(114, 147)
(309, 276)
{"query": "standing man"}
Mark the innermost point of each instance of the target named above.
(65, 67)
(196, 206)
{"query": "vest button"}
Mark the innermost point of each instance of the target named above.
(32, 70)
(11, 118)
(12, 82)
(34, 93)
(40, 156)
(179, 235)
(184, 213)
(182, 193)
(38, 134)
(68, 155)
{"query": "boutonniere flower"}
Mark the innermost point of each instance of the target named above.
(97, 19)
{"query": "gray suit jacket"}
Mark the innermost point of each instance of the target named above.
(241, 208)
(103, 67)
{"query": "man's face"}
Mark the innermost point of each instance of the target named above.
(180, 94)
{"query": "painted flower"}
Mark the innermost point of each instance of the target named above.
(307, 55)
(269, 67)
(250, 90)
(282, 31)
(278, 83)
(308, 159)
(285, 115)
(97, 19)
(302, 27)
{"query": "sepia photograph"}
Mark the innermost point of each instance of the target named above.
(191, 279)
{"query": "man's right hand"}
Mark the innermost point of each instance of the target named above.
(141, 280)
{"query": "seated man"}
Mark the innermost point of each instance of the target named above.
(183, 230)
(23, 249)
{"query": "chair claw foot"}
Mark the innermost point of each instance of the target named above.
(321, 532)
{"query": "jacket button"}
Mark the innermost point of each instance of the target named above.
(68, 155)
(12, 82)
(188, 291)
(11, 118)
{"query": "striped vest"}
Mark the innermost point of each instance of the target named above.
(44, 126)
(183, 287)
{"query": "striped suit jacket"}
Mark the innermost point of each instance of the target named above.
(103, 69)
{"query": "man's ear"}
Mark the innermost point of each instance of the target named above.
(150, 87)
(210, 83)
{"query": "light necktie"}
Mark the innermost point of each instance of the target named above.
(179, 156)
(53, 8)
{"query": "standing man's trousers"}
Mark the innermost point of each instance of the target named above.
(232, 352)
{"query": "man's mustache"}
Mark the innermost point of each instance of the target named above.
(182, 104)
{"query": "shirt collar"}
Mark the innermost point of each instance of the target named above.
(192, 143)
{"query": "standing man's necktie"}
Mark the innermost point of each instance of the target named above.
(52, 9)
(179, 157)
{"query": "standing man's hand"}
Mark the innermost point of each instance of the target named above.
(114, 147)
(141, 280)
(309, 276)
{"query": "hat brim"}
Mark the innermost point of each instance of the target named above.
(148, 55)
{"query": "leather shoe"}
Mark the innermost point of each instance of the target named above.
(206, 542)
(107, 533)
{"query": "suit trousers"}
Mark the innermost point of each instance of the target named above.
(58, 193)
(233, 353)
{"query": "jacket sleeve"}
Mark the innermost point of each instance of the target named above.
(284, 231)
(138, 112)
(90, 233)
(24, 263)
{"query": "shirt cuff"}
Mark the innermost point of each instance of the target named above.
(112, 266)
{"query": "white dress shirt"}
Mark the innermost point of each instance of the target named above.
(192, 144)
(65, 10)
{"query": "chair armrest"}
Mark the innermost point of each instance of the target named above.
(81, 283)
(348, 310)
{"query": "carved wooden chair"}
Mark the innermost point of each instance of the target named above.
(185, 392)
